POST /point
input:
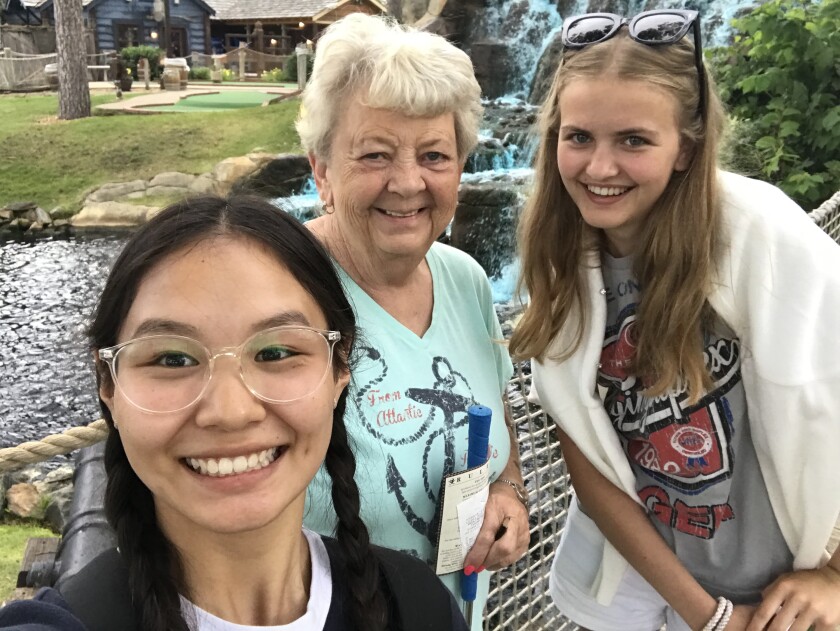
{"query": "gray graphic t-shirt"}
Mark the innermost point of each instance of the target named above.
(695, 465)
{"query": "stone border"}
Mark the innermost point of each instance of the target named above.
(106, 205)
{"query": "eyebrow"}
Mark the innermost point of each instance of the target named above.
(631, 131)
(282, 319)
(163, 326)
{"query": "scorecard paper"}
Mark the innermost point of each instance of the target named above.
(463, 499)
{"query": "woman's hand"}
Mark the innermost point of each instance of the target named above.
(487, 551)
(741, 616)
(799, 601)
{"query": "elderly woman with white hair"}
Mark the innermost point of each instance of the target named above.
(389, 117)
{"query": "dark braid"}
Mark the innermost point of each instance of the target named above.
(369, 610)
(155, 574)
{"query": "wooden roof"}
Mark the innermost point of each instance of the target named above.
(285, 10)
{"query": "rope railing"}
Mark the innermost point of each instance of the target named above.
(27, 453)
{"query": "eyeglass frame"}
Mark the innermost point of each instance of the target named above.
(109, 354)
(692, 19)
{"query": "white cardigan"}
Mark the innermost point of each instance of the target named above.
(777, 285)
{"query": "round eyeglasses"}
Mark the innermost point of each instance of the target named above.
(653, 28)
(169, 373)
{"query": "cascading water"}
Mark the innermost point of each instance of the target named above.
(519, 33)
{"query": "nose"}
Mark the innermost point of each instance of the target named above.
(406, 177)
(227, 403)
(602, 164)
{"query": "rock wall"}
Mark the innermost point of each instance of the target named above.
(39, 493)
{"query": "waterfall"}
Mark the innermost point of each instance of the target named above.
(508, 37)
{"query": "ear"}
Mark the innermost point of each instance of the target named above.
(685, 155)
(106, 383)
(319, 171)
(340, 384)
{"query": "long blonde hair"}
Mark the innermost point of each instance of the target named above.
(675, 260)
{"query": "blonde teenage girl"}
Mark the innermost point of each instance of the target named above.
(683, 322)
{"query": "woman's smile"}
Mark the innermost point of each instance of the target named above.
(234, 465)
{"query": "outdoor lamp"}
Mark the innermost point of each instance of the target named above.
(153, 35)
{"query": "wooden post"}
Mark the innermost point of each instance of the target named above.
(302, 53)
(143, 69)
(242, 46)
(259, 46)
(167, 33)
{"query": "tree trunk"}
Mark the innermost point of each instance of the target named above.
(73, 94)
(167, 29)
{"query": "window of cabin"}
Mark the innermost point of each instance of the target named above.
(127, 35)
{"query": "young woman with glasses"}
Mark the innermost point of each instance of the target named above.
(683, 322)
(223, 342)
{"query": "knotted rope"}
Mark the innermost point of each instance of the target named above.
(12, 458)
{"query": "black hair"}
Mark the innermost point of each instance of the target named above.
(156, 575)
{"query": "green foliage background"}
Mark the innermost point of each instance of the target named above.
(132, 54)
(781, 82)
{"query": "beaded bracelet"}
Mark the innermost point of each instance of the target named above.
(727, 615)
(712, 624)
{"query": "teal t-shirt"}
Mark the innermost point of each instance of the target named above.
(407, 409)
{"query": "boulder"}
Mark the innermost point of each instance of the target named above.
(493, 67)
(282, 176)
(20, 224)
(21, 207)
(111, 214)
(23, 500)
(6, 214)
(228, 171)
(38, 215)
(167, 191)
(485, 223)
(172, 178)
(204, 184)
(111, 192)
(60, 477)
(57, 513)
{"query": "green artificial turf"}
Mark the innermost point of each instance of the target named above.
(218, 102)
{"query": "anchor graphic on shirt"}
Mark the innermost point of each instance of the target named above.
(450, 404)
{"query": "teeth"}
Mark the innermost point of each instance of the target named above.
(231, 466)
(605, 190)
(393, 214)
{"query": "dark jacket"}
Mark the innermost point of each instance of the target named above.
(97, 598)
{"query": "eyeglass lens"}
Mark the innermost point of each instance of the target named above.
(659, 28)
(589, 30)
(168, 373)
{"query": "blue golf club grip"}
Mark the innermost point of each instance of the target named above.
(479, 439)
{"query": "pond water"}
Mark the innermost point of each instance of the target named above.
(48, 288)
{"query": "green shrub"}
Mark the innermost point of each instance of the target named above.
(782, 73)
(200, 74)
(739, 153)
(275, 75)
(132, 54)
(229, 75)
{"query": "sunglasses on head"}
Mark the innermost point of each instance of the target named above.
(653, 28)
